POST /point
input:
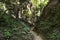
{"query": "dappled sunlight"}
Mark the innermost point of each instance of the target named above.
(29, 20)
(2, 6)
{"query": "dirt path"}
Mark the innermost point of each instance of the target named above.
(36, 37)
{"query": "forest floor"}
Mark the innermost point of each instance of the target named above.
(36, 37)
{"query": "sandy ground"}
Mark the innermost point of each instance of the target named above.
(36, 37)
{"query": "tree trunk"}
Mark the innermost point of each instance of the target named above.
(16, 9)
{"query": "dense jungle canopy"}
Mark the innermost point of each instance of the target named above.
(29, 19)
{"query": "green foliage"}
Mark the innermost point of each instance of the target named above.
(53, 35)
(11, 27)
(36, 2)
(7, 33)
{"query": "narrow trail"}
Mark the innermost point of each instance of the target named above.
(36, 37)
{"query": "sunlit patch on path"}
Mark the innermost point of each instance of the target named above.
(36, 37)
